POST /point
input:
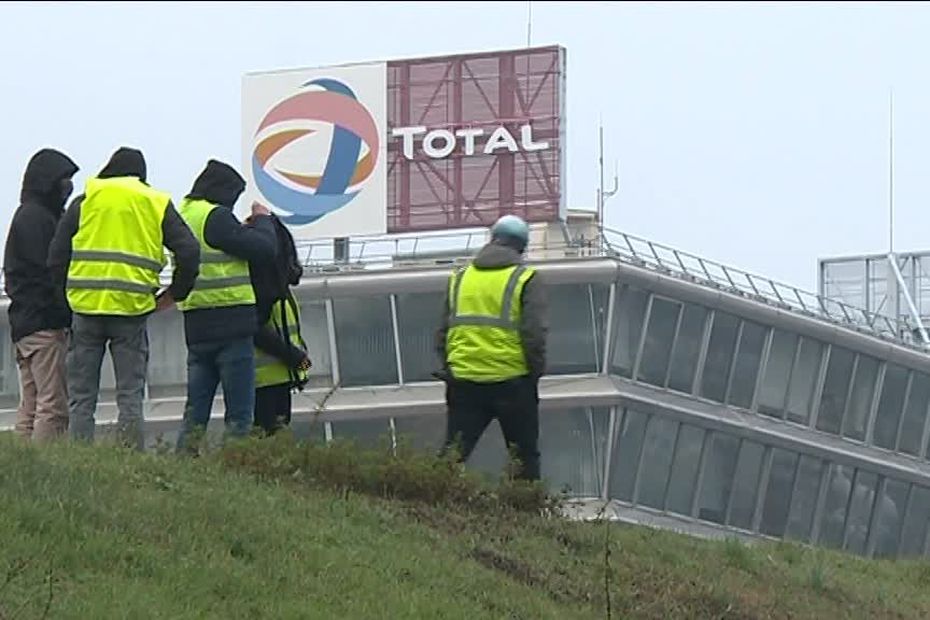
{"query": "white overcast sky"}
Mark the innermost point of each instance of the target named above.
(754, 134)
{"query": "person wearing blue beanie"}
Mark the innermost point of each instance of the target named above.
(492, 344)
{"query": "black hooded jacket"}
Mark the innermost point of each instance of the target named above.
(176, 236)
(125, 162)
(35, 304)
(221, 185)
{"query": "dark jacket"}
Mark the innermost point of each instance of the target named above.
(177, 237)
(533, 322)
(35, 303)
(221, 185)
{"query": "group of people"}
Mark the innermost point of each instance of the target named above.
(87, 278)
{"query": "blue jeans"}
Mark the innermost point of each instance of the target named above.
(232, 363)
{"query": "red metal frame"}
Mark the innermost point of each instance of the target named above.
(485, 91)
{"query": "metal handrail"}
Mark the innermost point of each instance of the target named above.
(642, 251)
(431, 249)
(386, 252)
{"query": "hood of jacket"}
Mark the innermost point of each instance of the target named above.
(45, 170)
(219, 183)
(125, 162)
(497, 255)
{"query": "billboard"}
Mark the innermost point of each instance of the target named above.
(314, 149)
(510, 101)
(408, 145)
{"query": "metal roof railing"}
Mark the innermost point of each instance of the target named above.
(386, 252)
(430, 250)
(703, 271)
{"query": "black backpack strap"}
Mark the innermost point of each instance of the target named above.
(285, 332)
(296, 310)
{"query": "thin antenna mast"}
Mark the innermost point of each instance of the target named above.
(602, 194)
(891, 170)
(898, 286)
(600, 165)
(529, 24)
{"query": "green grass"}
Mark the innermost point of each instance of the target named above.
(272, 529)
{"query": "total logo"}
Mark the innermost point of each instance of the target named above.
(308, 196)
(440, 143)
(334, 172)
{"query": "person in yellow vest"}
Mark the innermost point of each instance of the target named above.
(281, 366)
(492, 342)
(219, 314)
(281, 361)
(108, 253)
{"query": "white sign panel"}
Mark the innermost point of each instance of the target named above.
(314, 148)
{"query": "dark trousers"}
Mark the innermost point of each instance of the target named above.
(515, 406)
(273, 407)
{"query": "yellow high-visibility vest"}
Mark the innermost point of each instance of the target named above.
(223, 280)
(269, 370)
(117, 253)
(483, 342)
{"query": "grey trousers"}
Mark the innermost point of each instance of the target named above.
(129, 347)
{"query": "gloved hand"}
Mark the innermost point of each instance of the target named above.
(300, 380)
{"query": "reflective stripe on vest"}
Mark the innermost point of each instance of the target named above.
(483, 343)
(117, 252)
(223, 280)
(269, 370)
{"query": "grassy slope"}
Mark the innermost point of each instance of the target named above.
(146, 536)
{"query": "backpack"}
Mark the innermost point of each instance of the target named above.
(287, 263)
(288, 271)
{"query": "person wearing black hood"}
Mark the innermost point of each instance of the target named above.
(38, 312)
(219, 315)
(108, 253)
(282, 364)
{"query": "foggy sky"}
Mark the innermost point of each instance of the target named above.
(752, 134)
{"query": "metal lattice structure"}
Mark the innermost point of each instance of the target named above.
(477, 91)
(869, 282)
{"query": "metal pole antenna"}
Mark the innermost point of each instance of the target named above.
(529, 24)
(600, 187)
(898, 286)
(602, 194)
(891, 170)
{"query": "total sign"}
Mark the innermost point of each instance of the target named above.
(440, 143)
(314, 150)
(314, 147)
